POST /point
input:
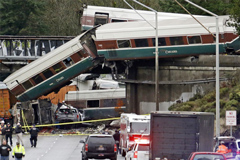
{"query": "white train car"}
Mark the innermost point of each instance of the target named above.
(97, 98)
(53, 70)
(176, 37)
(95, 15)
(98, 104)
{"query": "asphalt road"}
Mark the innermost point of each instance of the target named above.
(54, 147)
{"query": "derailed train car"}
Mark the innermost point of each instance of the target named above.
(55, 69)
(119, 42)
(96, 15)
(176, 38)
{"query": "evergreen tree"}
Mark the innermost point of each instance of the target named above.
(21, 17)
(62, 17)
(235, 15)
(219, 7)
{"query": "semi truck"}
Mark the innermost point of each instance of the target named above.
(175, 135)
(132, 127)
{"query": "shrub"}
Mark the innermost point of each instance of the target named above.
(232, 103)
(195, 97)
(224, 91)
(210, 97)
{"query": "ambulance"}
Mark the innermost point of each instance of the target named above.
(132, 127)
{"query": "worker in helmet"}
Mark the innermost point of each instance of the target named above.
(222, 148)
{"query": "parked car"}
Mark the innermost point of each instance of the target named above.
(67, 113)
(206, 156)
(230, 143)
(139, 151)
(99, 146)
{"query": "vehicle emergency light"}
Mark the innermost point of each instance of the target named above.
(145, 141)
(135, 154)
(86, 148)
(238, 152)
(134, 137)
(115, 148)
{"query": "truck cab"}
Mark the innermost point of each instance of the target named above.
(132, 127)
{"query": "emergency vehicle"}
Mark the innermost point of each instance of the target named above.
(132, 127)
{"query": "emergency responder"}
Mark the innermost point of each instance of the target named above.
(33, 138)
(4, 150)
(9, 131)
(19, 132)
(116, 137)
(222, 148)
(2, 131)
(18, 152)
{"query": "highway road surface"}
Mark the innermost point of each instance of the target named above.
(54, 147)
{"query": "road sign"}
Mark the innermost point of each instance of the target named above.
(231, 118)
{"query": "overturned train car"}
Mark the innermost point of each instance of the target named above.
(55, 69)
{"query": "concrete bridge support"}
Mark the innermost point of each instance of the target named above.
(179, 79)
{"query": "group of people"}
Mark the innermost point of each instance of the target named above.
(18, 152)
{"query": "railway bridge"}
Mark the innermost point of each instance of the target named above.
(179, 78)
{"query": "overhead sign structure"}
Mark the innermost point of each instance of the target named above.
(231, 118)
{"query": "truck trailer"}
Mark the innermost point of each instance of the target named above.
(175, 135)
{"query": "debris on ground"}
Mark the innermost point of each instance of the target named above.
(94, 128)
(115, 123)
(101, 129)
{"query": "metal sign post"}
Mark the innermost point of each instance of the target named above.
(156, 47)
(217, 68)
(231, 119)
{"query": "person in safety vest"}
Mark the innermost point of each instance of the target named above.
(18, 152)
(222, 148)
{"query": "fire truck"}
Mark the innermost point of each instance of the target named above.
(132, 127)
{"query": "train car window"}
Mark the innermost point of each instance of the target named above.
(161, 42)
(58, 67)
(47, 73)
(101, 18)
(176, 40)
(141, 42)
(37, 79)
(194, 39)
(93, 103)
(68, 61)
(118, 20)
(27, 85)
(124, 43)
